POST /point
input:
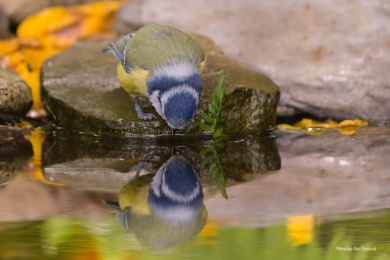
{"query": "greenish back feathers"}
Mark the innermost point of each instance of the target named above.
(154, 46)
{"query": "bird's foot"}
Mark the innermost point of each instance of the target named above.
(145, 116)
(140, 113)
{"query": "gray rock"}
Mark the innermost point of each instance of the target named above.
(328, 61)
(4, 24)
(80, 88)
(15, 95)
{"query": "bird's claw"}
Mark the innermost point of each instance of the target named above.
(140, 113)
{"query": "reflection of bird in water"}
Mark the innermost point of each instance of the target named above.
(165, 210)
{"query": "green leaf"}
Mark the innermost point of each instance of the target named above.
(213, 167)
(206, 150)
(216, 103)
(220, 90)
(221, 80)
(207, 118)
(221, 120)
(205, 127)
(212, 110)
(222, 188)
(218, 133)
(221, 95)
(207, 160)
(212, 120)
(221, 182)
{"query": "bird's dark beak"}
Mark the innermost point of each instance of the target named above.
(174, 130)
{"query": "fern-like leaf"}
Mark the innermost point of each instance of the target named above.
(212, 120)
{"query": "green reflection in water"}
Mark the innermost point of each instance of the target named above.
(70, 238)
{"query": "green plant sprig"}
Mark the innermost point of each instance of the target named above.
(213, 122)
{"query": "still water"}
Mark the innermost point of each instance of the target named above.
(68, 195)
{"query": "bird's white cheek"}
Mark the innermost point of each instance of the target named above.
(155, 99)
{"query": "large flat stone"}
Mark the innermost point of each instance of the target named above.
(80, 88)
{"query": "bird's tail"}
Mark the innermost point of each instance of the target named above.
(119, 49)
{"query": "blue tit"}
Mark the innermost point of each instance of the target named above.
(166, 210)
(163, 64)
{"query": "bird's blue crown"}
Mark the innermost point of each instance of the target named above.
(175, 92)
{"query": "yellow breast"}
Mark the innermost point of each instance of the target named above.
(202, 65)
(135, 82)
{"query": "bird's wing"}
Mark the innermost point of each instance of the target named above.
(156, 45)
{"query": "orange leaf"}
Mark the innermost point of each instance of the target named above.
(11, 61)
(8, 46)
(355, 122)
(98, 17)
(44, 22)
(36, 56)
(49, 32)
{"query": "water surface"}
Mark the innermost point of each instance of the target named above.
(68, 195)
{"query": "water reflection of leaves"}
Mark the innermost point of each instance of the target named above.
(211, 155)
(73, 238)
(34, 171)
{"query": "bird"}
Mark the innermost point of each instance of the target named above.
(163, 210)
(163, 64)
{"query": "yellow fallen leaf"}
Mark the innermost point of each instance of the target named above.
(37, 56)
(310, 123)
(314, 130)
(8, 47)
(310, 126)
(32, 78)
(287, 127)
(304, 123)
(61, 27)
(355, 122)
(12, 61)
(98, 17)
(331, 124)
(49, 32)
(348, 127)
(47, 21)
